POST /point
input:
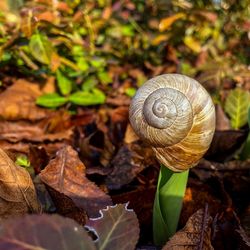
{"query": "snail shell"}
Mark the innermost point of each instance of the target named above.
(176, 116)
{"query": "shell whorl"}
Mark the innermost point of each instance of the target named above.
(175, 115)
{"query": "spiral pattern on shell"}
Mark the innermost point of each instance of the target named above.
(176, 116)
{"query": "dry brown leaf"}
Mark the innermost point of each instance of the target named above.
(66, 174)
(129, 161)
(19, 102)
(195, 235)
(23, 147)
(17, 192)
(18, 131)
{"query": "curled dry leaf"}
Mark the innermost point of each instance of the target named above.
(117, 228)
(195, 235)
(66, 174)
(50, 232)
(17, 192)
(19, 102)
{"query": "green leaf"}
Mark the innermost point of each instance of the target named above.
(22, 160)
(64, 83)
(82, 64)
(89, 84)
(127, 30)
(236, 106)
(104, 77)
(130, 92)
(86, 98)
(51, 100)
(98, 62)
(41, 48)
(168, 203)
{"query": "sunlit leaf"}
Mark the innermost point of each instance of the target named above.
(127, 30)
(22, 160)
(86, 98)
(51, 100)
(66, 174)
(168, 21)
(98, 62)
(41, 48)
(192, 43)
(104, 77)
(89, 84)
(17, 192)
(117, 228)
(64, 83)
(82, 64)
(160, 38)
(236, 106)
(130, 92)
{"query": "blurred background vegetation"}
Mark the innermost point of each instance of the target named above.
(94, 49)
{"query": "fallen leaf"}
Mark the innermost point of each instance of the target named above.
(17, 192)
(21, 130)
(126, 165)
(66, 207)
(51, 232)
(195, 235)
(192, 44)
(141, 201)
(19, 102)
(66, 174)
(119, 114)
(225, 143)
(168, 21)
(117, 228)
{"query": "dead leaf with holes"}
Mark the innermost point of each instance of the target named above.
(66, 174)
(17, 192)
(116, 228)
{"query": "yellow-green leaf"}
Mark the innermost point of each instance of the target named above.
(236, 106)
(64, 83)
(86, 98)
(168, 21)
(41, 48)
(192, 43)
(51, 100)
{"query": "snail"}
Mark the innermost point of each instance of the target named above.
(176, 116)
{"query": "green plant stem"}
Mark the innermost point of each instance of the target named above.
(168, 203)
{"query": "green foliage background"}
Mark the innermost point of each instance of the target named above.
(90, 46)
